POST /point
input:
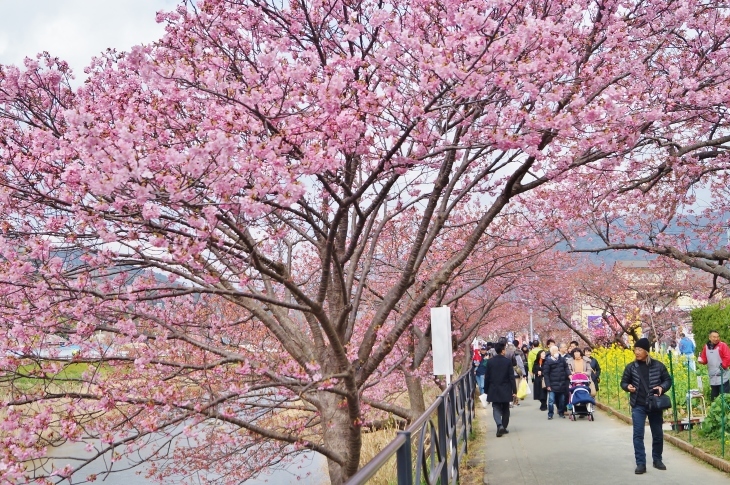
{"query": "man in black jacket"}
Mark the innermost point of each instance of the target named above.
(501, 388)
(641, 377)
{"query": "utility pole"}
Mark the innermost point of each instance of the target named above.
(532, 332)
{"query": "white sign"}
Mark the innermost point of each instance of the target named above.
(443, 354)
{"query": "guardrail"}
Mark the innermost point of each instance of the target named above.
(441, 434)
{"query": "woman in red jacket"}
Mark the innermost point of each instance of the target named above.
(716, 355)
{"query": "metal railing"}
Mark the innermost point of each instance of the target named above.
(441, 434)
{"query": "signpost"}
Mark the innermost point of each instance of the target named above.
(443, 360)
(443, 354)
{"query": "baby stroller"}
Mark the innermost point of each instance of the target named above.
(581, 403)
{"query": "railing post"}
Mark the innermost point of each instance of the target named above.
(461, 409)
(443, 436)
(463, 403)
(403, 460)
(472, 403)
(444, 440)
(467, 406)
(454, 435)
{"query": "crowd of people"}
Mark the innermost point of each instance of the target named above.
(549, 369)
(501, 367)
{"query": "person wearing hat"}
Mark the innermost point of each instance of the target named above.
(640, 377)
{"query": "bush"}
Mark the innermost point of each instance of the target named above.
(712, 425)
(708, 318)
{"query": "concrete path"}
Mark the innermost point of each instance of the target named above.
(559, 452)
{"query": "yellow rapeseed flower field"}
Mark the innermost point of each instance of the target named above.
(613, 361)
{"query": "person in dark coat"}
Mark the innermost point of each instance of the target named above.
(501, 388)
(641, 377)
(596, 374)
(538, 392)
(556, 373)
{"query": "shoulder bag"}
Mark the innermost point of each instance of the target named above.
(592, 387)
(654, 402)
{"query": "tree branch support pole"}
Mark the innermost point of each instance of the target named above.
(723, 412)
(674, 391)
(689, 404)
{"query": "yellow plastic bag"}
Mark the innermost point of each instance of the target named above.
(523, 389)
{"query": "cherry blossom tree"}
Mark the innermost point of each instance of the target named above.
(631, 298)
(260, 153)
(475, 292)
(692, 232)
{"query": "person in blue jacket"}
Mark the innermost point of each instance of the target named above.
(687, 349)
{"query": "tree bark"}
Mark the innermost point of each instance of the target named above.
(340, 433)
(415, 394)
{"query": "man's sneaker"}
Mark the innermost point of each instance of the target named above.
(659, 465)
(550, 417)
(640, 469)
(500, 432)
(506, 431)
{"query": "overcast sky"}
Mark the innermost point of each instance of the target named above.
(76, 30)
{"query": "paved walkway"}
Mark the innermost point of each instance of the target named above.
(560, 452)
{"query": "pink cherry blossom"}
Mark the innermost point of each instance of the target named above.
(241, 226)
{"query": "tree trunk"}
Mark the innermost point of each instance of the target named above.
(415, 394)
(341, 434)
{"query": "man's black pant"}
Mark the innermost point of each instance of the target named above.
(500, 411)
(715, 390)
(638, 419)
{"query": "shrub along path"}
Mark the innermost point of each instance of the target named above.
(560, 451)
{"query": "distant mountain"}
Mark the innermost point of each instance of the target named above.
(592, 241)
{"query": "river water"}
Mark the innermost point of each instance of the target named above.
(308, 468)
